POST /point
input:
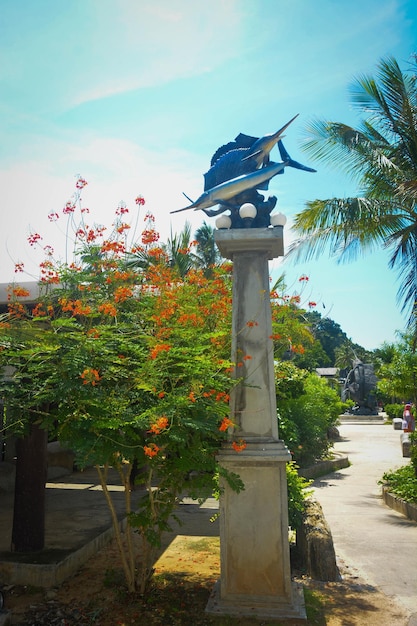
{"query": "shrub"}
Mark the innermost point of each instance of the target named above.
(347, 405)
(394, 410)
(413, 439)
(304, 421)
(297, 493)
(402, 482)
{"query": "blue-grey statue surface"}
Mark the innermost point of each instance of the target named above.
(237, 171)
(359, 386)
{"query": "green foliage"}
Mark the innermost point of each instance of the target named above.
(305, 419)
(128, 364)
(397, 378)
(125, 357)
(328, 333)
(402, 482)
(289, 380)
(394, 410)
(347, 404)
(381, 156)
(413, 439)
(297, 493)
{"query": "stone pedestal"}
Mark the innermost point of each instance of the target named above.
(254, 549)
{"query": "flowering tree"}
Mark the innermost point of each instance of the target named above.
(125, 357)
(128, 365)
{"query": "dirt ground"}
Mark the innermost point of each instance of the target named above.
(184, 578)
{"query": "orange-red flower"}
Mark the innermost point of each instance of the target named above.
(81, 182)
(123, 293)
(120, 229)
(16, 309)
(149, 236)
(76, 307)
(160, 424)
(161, 347)
(39, 311)
(69, 208)
(107, 308)
(238, 446)
(34, 238)
(90, 376)
(225, 424)
(151, 450)
(113, 246)
(20, 292)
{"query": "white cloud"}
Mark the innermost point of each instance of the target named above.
(115, 169)
(77, 56)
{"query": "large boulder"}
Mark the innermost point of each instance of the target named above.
(314, 544)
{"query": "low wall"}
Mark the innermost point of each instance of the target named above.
(54, 574)
(339, 461)
(407, 509)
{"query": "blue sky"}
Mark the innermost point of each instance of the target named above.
(136, 96)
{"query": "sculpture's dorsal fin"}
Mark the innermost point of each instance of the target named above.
(245, 141)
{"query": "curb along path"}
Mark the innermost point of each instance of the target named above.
(375, 540)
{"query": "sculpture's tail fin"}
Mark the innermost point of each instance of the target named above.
(289, 162)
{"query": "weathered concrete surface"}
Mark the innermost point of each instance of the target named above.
(253, 402)
(268, 240)
(254, 551)
(315, 546)
(321, 468)
(255, 568)
(377, 542)
(405, 508)
(405, 445)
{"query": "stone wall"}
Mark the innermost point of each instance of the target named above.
(314, 547)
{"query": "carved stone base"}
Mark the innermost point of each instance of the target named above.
(258, 606)
(254, 550)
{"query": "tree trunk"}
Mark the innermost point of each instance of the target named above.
(28, 533)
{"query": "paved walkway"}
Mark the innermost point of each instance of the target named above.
(76, 511)
(377, 542)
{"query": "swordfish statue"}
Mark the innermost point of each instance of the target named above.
(237, 170)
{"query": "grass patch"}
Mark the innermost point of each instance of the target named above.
(314, 602)
(402, 482)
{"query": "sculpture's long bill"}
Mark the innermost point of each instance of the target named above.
(231, 188)
(263, 146)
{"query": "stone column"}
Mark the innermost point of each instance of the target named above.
(255, 574)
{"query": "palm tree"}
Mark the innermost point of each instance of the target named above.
(207, 250)
(176, 253)
(382, 156)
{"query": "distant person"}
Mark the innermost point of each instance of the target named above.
(409, 424)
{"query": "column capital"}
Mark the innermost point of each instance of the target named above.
(267, 240)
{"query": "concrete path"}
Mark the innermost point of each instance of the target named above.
(377, 542)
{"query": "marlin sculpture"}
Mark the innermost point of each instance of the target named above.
(241, 166)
